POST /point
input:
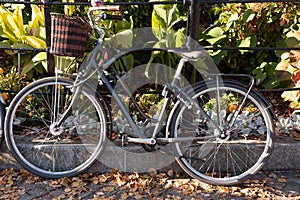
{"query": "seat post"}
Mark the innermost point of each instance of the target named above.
(178, 70)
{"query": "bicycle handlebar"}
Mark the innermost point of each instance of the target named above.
(105, 16)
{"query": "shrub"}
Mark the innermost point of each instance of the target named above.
(255, 25)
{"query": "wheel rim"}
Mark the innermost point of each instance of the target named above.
(211, 150)
(50, 155)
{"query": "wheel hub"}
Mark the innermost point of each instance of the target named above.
(54, 130)
(225, 135)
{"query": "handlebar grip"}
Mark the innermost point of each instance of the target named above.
(112, 8)
(113, 17)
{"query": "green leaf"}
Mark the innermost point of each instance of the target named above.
(217, 35)
(122, 25)
(180, 38)
(123, 39)
(292, 42)
(218, 56)
(4, 44)
(128, 61)
(234, 17)
(20, 45)
(248, 42)
(158, 25)
(171, 41)
(39, 57)
(216, 40)
(28, 67)
(215, 32)
(35, 42)
(173, 16)
(159, 18)
(249, 15)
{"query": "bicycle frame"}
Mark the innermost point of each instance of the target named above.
(168, 92)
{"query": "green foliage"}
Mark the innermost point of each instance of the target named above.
(140, 15)
(15, 32)
(10, 79)
(164, 20)
(255, 25)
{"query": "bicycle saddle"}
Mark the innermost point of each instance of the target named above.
(194, 54)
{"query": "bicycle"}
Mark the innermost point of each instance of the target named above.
(219, 132)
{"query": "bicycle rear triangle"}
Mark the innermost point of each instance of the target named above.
(220, 132)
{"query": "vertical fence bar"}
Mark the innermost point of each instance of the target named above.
(193, 33)
(50, 57)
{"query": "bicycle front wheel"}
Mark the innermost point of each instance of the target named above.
(44, 149)
(241, 146)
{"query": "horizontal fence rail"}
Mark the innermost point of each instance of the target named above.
(48, 5)
(186, 2)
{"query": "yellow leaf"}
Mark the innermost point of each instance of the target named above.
(7, 27)
(9, 21)
(18, 18)
(34, 42)
(38, 15)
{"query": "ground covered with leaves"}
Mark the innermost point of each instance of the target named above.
(152, 185)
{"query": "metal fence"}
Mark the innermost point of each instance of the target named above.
(192, 5)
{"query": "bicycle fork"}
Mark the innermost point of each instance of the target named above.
(56, 128)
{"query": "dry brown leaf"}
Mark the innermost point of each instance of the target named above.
(99, 193)
(270, 188)
(67, 190)
(170, 172)
(75, 184)
(282, 179)
(108, 189)
(152, 172)
(95, 180)
(272, 175)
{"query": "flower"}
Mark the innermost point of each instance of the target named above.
(4, 96)
(1, 70)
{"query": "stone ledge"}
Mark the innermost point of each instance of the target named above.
(285, 156)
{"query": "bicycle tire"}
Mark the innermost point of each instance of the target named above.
(240, 151)
(2, 117)
(65, 152)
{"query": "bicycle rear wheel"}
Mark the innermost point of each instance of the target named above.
(242, 147)
(55, 152)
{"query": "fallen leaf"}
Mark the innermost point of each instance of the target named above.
(272, 175)
(152, 172)
(67, 190)
(282, 179)
(170, 172)
(270, 188)
(108, 189)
